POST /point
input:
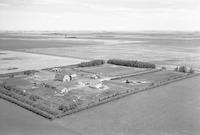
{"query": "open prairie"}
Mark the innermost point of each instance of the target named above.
(163, 48)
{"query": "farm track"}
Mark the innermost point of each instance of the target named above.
(135, 74)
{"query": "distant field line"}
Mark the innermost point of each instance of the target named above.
(57, 55)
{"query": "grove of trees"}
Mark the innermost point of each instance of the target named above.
(91, 63)
(131, 63)
(184, 69)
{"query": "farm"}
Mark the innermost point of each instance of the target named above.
(56, 92)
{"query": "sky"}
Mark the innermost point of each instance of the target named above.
(109, 15)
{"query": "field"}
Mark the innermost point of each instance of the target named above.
(110, 70)
(164, 55)
(161, 48)
(170, 110)
(13, 61)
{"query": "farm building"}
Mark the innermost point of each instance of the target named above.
(64, 77)
(73, 76)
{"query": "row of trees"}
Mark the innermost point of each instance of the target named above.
(14, 89)
(25, 97)
(29, 72)
(91, 63)
(66, 108)
(21, 92)
(184, 69)
(131, 63)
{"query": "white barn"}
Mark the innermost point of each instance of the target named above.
(64, 77)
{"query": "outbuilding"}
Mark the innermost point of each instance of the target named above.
(64, 77)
